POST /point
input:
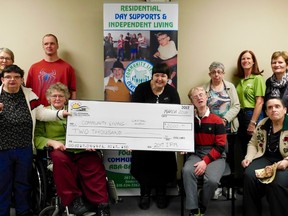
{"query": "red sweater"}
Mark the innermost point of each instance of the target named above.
(210, 131)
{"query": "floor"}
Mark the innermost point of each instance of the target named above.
(220, 207)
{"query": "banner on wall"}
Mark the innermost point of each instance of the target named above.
(136, 36)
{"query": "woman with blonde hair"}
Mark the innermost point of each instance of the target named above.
(276, 85)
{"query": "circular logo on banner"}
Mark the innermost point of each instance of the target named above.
(137, 72)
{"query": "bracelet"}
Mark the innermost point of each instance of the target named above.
(253, 122)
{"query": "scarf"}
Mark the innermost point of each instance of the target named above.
(276, 85)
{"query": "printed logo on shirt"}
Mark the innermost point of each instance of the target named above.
(137, 72)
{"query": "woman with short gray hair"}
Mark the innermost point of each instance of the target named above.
(223, 101)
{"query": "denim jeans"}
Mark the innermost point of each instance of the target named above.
(15, 172)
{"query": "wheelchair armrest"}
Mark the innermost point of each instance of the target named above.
(48, 148)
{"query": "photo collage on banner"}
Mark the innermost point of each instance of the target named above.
(136, 36)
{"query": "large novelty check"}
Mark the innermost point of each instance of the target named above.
(134, 126)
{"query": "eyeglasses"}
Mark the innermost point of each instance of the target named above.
(161, 39)
(6, 58)
(217, 72)
(11, 77)
(195, 97)
(55, 96)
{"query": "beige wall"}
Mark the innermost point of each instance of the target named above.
(208, 30)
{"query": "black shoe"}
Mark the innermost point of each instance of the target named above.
(240, 191)
(144, 202)
(103, 209)
(161, 201)
(77, 207)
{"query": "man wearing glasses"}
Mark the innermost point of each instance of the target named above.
(208, 160)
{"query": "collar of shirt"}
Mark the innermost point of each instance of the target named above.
(116, 80)
(205, 115)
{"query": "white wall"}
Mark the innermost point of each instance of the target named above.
(208, 30)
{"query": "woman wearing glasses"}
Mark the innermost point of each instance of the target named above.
(222, 97)
(223, 101)
(19, 109)
(79, 175)
(6, 58)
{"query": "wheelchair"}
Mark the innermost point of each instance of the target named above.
(44, 197)
(42, 179)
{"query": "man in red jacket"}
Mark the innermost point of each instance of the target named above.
(208, 160)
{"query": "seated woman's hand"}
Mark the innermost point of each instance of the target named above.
(282, 165)
(245, 163)
(56, 145)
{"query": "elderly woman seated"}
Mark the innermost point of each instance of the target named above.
(268, 151)
(79, 175)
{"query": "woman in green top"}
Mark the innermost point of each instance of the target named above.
(251, 91)
(79, 175)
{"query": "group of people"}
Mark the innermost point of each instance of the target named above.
(32, 115)
(131, 47)
(222, 112)
(253, 113)
(224, 115)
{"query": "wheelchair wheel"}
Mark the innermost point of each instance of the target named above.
(39, 190)
(49, 211)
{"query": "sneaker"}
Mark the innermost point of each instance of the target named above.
(196, 214)
(77, 207)
(144, 202)
(240, 191)
(88, 214)
(103, 209)
(217, 193)
(228, 193)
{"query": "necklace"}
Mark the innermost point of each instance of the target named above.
(273, 150)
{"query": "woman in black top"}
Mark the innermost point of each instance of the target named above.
(155, 169)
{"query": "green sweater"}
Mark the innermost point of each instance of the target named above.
(53, 130)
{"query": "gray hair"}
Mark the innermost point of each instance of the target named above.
(214, 65)
(9, 52)
(58, 87)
